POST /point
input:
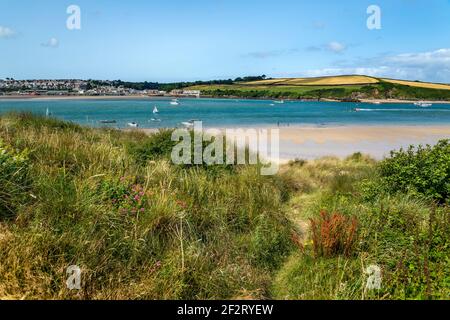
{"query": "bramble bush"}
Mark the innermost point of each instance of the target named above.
(423, 170)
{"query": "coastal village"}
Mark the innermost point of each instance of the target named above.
(73, 87)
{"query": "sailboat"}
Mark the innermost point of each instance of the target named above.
(47, 113)
(155, 110)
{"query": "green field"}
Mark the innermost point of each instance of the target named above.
(339, 88)
(140, 227)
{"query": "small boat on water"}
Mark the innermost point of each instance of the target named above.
(155, 110)
(423, 104)
(279, 101)
(133, 124)
(190, 123)
(48, 113)
(174, 102)
(108, 121)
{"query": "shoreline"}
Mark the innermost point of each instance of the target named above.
(302, 142)
(144, 97)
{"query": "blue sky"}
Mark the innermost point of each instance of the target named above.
(176, 40)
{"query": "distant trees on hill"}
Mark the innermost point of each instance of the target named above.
(169, 86)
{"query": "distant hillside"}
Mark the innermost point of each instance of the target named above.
(345, 87)
(344, 81)
(318, 81)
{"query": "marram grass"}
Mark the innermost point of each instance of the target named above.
(140, 227)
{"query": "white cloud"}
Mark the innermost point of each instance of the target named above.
(51, 43)
(6, 32)
(433, 58)
(433, 66)
(336, 47)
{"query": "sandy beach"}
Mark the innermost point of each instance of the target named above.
(376, 141)
(301, 142)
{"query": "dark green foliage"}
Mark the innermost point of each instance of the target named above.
(14, 180)
(425, 170)
(155, 147)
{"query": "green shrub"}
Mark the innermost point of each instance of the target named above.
(270, 243)
(14, 180)
(155, 147)
(425, 170)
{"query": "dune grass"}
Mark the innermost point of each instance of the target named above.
(404, 234)
(140, 227)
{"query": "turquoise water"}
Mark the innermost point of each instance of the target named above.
(231, 113)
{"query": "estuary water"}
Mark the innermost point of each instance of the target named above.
(230, 112)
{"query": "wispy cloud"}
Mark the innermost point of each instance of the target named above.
(51, 43)
(333, 46)
(319, 25)
(336, 47)
(6, 32)
(270, 53)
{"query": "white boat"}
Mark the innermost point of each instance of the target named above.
(174, 103)
(155, 110)
(423, 104)
(48, 113)
(376, 102)
(133, 124)
(279, 101)
(190, 123)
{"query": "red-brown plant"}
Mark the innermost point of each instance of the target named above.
(333, 234)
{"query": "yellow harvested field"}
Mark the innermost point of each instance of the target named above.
(267, 82)
(420, 84)
(319, 81)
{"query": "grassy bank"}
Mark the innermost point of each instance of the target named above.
(140, 227)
